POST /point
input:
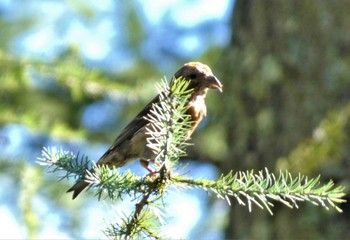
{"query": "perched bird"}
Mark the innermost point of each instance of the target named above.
(131, 144)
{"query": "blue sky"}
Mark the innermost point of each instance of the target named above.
(100, 34)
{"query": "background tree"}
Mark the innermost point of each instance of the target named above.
(286, 72)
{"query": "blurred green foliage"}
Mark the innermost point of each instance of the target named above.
(49, 97)
(326, 149)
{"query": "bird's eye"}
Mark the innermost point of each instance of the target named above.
(192, 76)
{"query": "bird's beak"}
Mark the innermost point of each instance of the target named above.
(214, 83)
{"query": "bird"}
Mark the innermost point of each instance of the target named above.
(131, 144)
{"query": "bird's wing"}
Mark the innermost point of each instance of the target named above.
(133, 127)
(127, 134)
(136, 124)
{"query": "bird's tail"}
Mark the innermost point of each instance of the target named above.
(77, 188)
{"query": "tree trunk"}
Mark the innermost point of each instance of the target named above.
(287, 66)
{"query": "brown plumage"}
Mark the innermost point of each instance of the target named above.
(131, 144)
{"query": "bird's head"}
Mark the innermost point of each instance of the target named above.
(200, 75)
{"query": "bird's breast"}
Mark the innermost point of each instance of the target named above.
(197, 110)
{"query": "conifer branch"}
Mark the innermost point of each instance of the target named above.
(167, 130)
(64, 161)
(262, 188)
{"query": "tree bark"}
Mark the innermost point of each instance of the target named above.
(284, 69)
